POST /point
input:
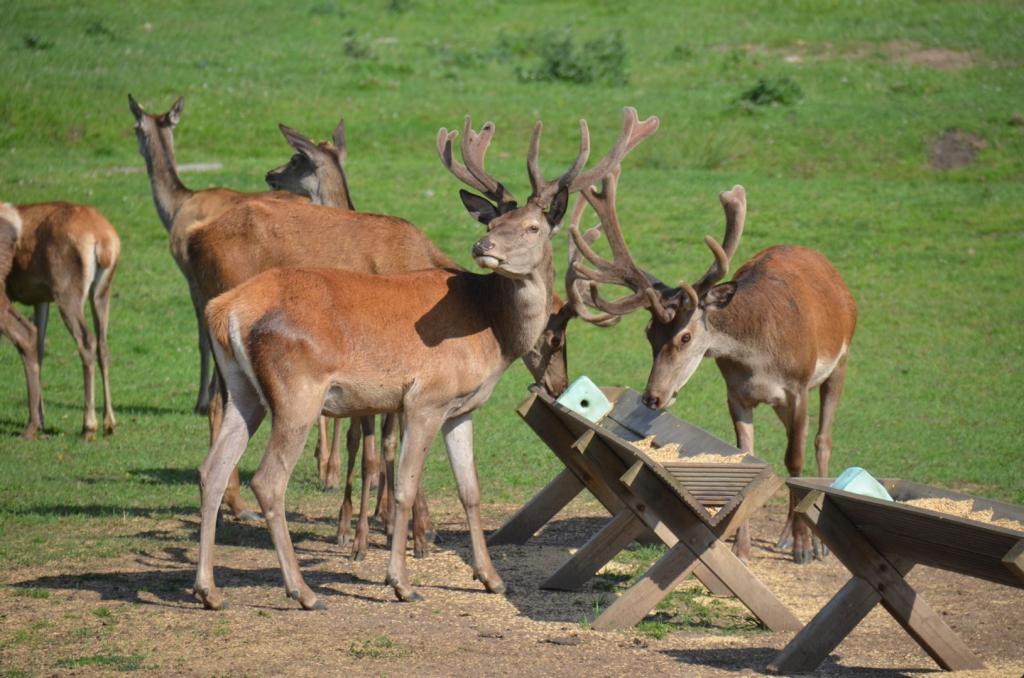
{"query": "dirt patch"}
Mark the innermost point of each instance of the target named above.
(940, 58)
(954, 149)
(895, 51)
(134, 612)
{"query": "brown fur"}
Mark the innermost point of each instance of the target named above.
(67, 253)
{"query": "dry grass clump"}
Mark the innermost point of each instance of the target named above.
(964, 508)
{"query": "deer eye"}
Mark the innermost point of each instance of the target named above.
(684, 338)
(533, 229)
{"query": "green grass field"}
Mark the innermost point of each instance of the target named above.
(934, 258)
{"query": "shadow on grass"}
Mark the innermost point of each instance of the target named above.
(758, 658)
(168, 578)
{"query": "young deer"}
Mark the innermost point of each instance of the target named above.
(65, 253)
(295, 342)
(782, 326)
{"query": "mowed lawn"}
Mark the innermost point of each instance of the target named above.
(825, 111)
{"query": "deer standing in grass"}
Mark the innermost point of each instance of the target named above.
(65, 253)
(315, 171)
(178, 208)
(782, 326)
(292, 343)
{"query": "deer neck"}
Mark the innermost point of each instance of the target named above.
(169, 194)
(332, 190)
(520, 308)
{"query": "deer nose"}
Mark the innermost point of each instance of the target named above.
(652, 401)
(270, 178)
(482, 246)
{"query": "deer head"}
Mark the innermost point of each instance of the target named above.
(680, 331)
(155, 129)
(315, 170)
(517, 237)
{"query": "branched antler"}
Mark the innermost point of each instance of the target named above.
(577, 288)
(474, 148)
(734, 202)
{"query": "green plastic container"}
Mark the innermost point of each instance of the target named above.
(858, 481)
(585, 399)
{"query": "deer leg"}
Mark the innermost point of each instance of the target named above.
(743, 423)
(206, 387)
(70, 301)
(269, 483)
(794, 415)
(371, 476)
(233, 493)
(242, 416)
(458, 439)
(352, 445)
(418, 430)
(320, 453)
(22, 333)
(386, 489)
(41, 316)
(830, 392)
(333, 471)
(100, 300)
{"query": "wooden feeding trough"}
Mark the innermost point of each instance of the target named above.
(879, 542)
(691, 508)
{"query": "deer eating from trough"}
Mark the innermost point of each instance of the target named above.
(781, 327)
(64, 253)
(293, 343)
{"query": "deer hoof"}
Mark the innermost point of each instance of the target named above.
(803, 556)
(359, 555)
(820, 550)
(248, 516)
(785, 543)
(410, 597)
(88, 435)
(30, 434)
(210, 598)
(342, 539)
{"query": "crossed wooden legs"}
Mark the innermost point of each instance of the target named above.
(876, 579)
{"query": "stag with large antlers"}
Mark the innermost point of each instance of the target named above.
(65, 253)
(782, 326)
(295, 342)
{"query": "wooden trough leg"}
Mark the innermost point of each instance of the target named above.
(1014, 559)
(617, 534)
(885, 579)
(562, 489)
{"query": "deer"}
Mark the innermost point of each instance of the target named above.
(316, 172)
(293, 343)
(782, 326)
(17, 327)
(178, 208)
(64, 253)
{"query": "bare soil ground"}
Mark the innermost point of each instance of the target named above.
(134, 613)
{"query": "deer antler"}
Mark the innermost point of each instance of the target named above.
(339, 141)
(734, 202)
(633, 132)
(622, 270)
(577, 288)
(474, 148)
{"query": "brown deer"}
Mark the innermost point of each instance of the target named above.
(782, 326)
(65, 253)
(178, 208)
(295, 342)
(17, 327)
(317, 171)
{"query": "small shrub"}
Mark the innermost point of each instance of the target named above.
(34, 42)
(98, 29)
(772, 92)
(376, 648)
(602, 59)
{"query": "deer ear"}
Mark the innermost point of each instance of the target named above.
(299, 142)
(339, 141)
(174, 115)
(556, 210)
(481, 208)
(135, 107)
(719, 296)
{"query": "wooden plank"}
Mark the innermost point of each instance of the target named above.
(617, 534)
(562, 489)
(1014, 560)
(898, 597)
(646, 496)
(661, 579)
(808, 648)
(556, 435)
(633, 414)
